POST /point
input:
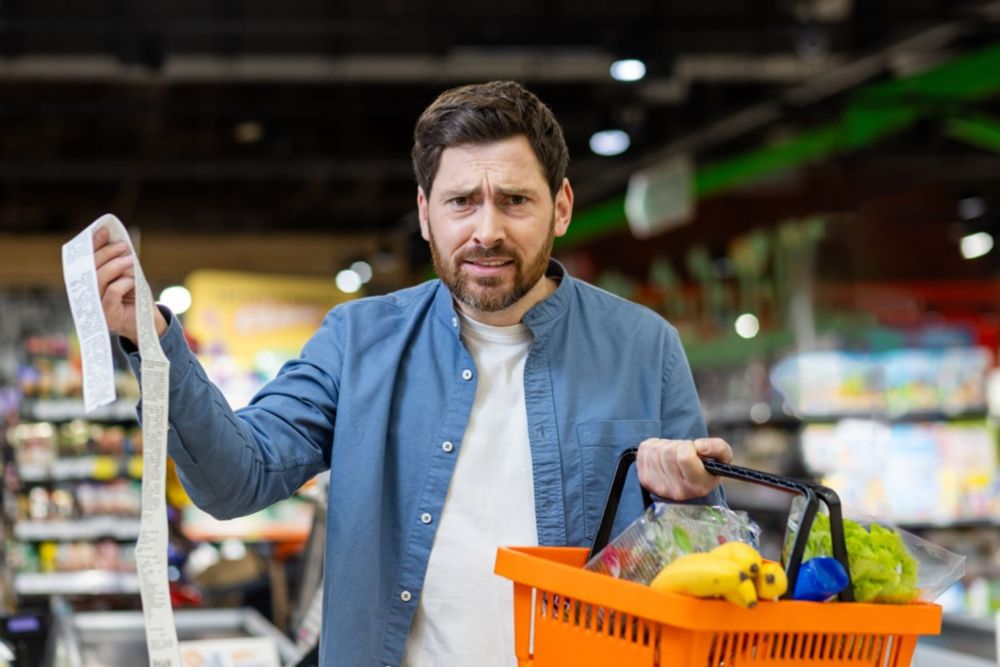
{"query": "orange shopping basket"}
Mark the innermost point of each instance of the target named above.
(565, 616)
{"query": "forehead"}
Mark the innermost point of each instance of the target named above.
(507, 162)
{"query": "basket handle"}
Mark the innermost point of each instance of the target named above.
(812, 493)
(830, 498)
(625, 462)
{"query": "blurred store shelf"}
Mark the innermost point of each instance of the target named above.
(87, 582)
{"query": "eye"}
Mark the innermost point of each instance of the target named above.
(517, 200)
(459, 202)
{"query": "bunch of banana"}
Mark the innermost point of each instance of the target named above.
(701, 574)
(734, 571)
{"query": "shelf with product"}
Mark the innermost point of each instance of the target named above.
(870, 424)
(72, 490)
(919, 452)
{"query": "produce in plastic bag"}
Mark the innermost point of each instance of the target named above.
(666, 531)
(888, 565)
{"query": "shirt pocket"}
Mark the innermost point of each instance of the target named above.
(601, 443)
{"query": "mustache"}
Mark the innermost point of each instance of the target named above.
(486, 253)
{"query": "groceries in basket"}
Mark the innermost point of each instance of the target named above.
(665, 532)
(733, 571)
(887, 564)
(695, 550)
(567, 615)
(820, 578)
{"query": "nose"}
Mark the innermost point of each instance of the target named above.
(489, 230)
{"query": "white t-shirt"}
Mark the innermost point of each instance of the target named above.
(465, 615)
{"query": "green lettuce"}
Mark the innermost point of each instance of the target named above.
(882, 568)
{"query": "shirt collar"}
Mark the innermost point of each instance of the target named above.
(541, 316)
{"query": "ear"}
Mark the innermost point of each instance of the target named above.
(422, 214)
(563, 208)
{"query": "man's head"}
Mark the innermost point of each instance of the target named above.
(484, 113)
(492, 195)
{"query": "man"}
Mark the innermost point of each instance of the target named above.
(482, 409)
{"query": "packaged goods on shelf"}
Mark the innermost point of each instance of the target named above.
(72, 496)
(895, 383)
(52, 369)
(874, 466)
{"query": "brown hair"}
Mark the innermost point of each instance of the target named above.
(483, 113)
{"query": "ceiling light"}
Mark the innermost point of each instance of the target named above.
(629, 69)
(363, 269)
(177, 298)
(248, 132)
(760, 413)
(610, 142)
(970, 208)
(976, 245)
(348, 281)
(747, 325)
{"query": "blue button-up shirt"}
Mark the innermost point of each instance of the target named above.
(381, 395)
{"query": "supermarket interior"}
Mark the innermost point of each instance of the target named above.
(807, 190)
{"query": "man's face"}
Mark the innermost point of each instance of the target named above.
(490, 220)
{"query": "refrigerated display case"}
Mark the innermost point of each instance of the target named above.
(117, 638)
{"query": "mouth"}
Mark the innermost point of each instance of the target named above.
(488, 266)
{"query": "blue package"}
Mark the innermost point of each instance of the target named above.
(819, 579)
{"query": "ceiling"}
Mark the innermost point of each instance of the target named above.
(251, 116)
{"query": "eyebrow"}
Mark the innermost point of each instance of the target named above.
(466, 192)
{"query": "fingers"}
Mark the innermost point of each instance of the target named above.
(109, 251)
(714, 448)
(119, 292)
(692, 470)
(112, 270)
(673, 468)
(100, 237)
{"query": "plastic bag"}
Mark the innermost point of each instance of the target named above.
(888, 565)
(666, 531)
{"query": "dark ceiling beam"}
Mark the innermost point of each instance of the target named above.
(84, 171)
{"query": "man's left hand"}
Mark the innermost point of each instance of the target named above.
(672, 469)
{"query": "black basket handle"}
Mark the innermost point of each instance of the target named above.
(813, 494)
(625, 462)
(830, 498)
(820, 493)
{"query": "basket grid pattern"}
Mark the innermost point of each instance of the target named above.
(632, 632)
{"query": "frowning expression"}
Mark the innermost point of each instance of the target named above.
(491, 219)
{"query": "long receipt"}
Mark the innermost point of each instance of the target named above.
(80, 274)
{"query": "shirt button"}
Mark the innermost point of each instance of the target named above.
(454, 321)
(466, 374)
(425, 518)
(405, 596)
(447, 446)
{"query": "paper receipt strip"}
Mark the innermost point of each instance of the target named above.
(80, 275)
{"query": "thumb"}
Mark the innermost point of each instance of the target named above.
(714, 448)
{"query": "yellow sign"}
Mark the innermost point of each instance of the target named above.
(243, 315)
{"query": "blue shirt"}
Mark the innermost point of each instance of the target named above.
(381, 395)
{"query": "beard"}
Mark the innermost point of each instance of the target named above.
(490, 294)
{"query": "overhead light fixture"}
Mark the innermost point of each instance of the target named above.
(610, 142)
(348, 281)
(976, 245)
(747, 325)
(177, 298)
(363, 269)
(248, 132)
(628, 69)
(760, 413)
(970, 208)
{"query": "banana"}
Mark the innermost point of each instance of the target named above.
(744, 595)
(771, 581)
(742, 554)
(699, 574)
